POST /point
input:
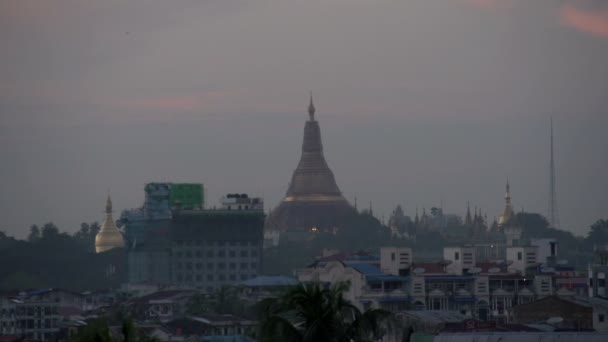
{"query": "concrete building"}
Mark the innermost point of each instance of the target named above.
(480, 290)
(521, 259)
(203, 248)
(396, 260)
(8, 318)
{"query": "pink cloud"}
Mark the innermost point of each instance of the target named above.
(174, 103)
(583, 20)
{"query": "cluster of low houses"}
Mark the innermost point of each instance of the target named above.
(528, 293)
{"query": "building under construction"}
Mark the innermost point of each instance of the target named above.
(173, 238)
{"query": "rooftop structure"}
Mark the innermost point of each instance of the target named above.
(313, 198)
(204, 248)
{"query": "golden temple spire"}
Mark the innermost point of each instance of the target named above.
(311, 108)
(109, 236)
(109, 205)
(508, 213)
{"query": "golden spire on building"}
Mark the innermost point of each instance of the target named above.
(109, 236)
(508, 213)
(311, 109)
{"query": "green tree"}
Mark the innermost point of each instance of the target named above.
(310, 312)
(598, 235)
(34, 233)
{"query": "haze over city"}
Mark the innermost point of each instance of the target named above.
(422, 103)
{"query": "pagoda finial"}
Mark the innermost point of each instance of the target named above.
(508, 193)
(109, 205)
(311, 108)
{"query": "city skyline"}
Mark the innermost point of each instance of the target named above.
(421, 103)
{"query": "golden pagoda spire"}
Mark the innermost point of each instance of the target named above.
(311, 108)
(508, 213)
(109, 236)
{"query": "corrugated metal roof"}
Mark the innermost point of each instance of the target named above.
(367, 269)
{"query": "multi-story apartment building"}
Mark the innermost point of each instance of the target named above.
(484, 290)
(8, 319)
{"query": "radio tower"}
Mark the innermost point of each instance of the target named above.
(553, 215)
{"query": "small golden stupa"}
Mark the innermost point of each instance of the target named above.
(508, 214)
(109, 236)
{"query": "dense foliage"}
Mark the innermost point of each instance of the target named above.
(54, 259)
(311, 312)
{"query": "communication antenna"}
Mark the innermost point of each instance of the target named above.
(553, 214)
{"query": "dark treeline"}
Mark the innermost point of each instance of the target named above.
(55, 259)
(49, 258)
(365, 232)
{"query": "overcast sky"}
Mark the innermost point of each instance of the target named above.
(421, 102)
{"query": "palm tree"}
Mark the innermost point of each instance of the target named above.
(311, 312)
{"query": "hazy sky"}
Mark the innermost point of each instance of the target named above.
(421, 102)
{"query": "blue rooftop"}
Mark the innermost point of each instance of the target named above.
(367, 269)
(387, 277)
(270, 281)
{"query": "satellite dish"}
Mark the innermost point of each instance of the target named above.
(418, 270)
(555, 320)
(474, 270)
(494, 270)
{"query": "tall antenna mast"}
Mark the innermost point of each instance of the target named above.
(553, 215)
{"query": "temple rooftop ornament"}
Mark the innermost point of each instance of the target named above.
(108, 237)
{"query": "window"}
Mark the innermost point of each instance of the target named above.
(209, 266)
(243, 254)
(232, 254)
(209, 254)
(254, 253)
(456, 256)
(221, 266)
(519, 256)
(232, 277)
(392, 256)
(600, 318)
(232, 265)
(199, 265)
(209, 277)
(221, 253)
(254, 265)
(244, 265)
